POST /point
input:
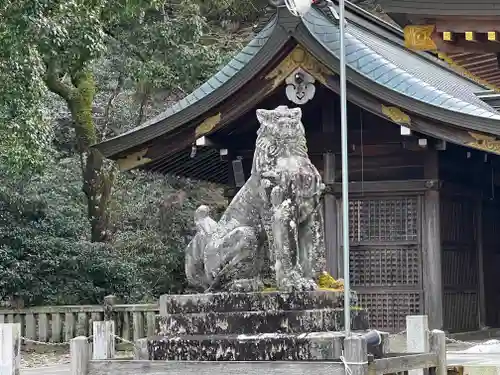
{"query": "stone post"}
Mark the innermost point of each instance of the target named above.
(438, 346)
(103, 340)
(141, 350)
(80, 355)
(109, 302)
(10, 348)
(417, 337)
(356, 355)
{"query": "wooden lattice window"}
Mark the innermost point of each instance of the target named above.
(388, 311)
(385, 266)
(383, 219)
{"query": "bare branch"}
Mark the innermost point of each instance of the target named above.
(109, 106)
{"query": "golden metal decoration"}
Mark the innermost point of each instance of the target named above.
(470, 36)
(134, 160)
(485, 143)
(492, 36)
(396, 115)
(447, 36)
(419, 37)
(298, 58)
(207, 125)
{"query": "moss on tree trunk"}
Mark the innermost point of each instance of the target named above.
(97, 175)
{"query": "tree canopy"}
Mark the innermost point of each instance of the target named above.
(71, 74)
(147, 46)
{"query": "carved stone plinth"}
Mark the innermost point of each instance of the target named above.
(252, 326)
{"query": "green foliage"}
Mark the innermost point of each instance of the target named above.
(123, 61)
(25, 133)
(45, 253)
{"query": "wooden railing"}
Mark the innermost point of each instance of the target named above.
(60, 324)
(97, 359)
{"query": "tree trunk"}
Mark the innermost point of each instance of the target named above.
(98, 175)
(97, 184)
(97, 178)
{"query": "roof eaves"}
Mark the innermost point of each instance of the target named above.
(218, 88)
(381, 68)
(395, 34)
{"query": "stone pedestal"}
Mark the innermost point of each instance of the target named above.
(252, 326)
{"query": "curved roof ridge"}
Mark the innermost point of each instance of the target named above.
(373, 63)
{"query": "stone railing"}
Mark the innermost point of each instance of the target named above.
(60, 324)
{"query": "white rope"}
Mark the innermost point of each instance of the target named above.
(348, 370)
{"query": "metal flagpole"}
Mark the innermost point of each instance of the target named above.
(345, 174)
(299, 8)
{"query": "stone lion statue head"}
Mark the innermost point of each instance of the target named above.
(280, 123)
(281, 155)
(280, 133)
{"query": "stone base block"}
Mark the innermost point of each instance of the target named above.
(274, 326)
(254, 322)
(262, 301)
(263, 347)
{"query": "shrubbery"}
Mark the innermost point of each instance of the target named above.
(45, 253)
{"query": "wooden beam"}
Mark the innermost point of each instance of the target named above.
(461, 25)
(128, 367)
(404, 363)
(422, 125)
(432, 272)
(462, 45)
(374, 187)
(172, 143)
(231, 191)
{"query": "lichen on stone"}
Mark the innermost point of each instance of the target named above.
(328, 282)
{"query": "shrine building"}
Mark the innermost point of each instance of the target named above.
(464, 33)
(424, 170)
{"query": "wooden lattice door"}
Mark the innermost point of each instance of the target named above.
(386, 258)
(459, 263)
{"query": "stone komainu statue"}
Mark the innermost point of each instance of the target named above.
(276, 215)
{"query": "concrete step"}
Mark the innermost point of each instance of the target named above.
(255, 322)
(261, 301)
(262, 347)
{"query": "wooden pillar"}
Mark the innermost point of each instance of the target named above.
(230, 190)
(431, 241)
(478, 221)
(330, 201)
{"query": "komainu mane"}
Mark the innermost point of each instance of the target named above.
(276, 215)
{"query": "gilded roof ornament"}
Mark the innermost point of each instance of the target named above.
(207, 125)
(484, 143)
(396, 115)
(419, 37)
(133, 160)
(298, 58)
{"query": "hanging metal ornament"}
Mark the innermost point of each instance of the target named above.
(300, 87)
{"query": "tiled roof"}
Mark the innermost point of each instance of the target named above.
(397, 68)
(226, 80)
